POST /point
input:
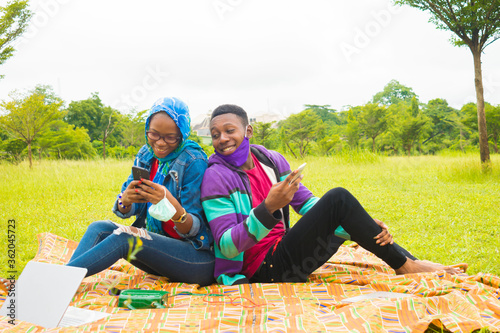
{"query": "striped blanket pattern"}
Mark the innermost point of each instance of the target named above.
(459, 303)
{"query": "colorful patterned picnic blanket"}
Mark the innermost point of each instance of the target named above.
(459, 303)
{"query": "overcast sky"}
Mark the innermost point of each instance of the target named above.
(266, 56)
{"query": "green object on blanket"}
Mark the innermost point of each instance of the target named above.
(142, 299)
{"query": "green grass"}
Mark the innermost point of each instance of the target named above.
(441, 208)
(62, 197)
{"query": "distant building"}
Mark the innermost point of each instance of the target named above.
(266, 118)
(202, 129)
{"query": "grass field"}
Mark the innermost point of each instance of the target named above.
(441, 208)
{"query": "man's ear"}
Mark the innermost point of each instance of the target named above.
(249, 131)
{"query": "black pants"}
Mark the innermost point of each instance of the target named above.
(311, 241)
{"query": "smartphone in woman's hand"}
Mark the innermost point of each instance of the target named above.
(140, 173)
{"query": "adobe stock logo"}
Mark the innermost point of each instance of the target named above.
(490, 88)
(364, 36)
(222, 7)
(153, 78)
(46, 10)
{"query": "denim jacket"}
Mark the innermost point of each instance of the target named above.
(184, 182)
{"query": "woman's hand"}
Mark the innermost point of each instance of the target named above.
(130, 196)
(384, 237)
(282, 193)
(155, 193)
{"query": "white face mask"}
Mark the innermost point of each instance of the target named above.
(163, 210)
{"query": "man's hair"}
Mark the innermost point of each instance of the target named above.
(231, 108)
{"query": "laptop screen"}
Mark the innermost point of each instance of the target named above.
(43, 293)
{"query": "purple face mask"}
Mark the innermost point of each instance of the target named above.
(239, 156)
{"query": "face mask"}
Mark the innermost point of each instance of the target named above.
(163, 210)
(239, 156)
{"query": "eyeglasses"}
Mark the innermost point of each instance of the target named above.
(167, 138)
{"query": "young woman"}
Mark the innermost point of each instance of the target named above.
(175, 239)
(246, 193)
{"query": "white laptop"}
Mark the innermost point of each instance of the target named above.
(42, 294)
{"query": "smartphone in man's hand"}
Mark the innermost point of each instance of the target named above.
(300, 168)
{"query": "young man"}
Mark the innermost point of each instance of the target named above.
(246, 193)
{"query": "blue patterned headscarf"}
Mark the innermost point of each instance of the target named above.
(179, 112)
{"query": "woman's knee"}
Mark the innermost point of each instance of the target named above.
(102, 226)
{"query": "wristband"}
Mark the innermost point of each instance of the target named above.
(120, 203)
(181, 219)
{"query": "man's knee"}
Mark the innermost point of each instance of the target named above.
(338, 194)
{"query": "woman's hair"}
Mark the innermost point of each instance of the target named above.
(231, 108)
(157, 113)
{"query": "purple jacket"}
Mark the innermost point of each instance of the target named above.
(236, 226)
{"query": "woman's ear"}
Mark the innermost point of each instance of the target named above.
(249, 131)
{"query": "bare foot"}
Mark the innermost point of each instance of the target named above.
(462, 267)
(421, 266)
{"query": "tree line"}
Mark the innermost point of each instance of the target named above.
(394, 122)
(474, 24)
(37, 124)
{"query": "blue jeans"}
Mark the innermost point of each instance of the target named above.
(173, 258)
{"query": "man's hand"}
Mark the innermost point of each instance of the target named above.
(282, 193)
(384, 237)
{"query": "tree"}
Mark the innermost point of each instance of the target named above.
(48, 92)
(444, 118)
(133, 129)
(25, 117)
(100, 121)
(492, 121)
(65, 141)
(325, 112)
(12, 148)
(352, 130)
(415, 109)
(301, 129)
(4, 135)
(410, 127)
(86, 113)
(373, 121)
(14, 19)
(476, 24)
(283, 138)
(393, 93)
(263, 134)
(328, 143)
(109, 121)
